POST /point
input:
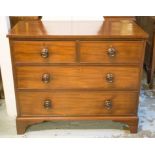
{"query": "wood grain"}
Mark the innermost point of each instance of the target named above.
(78, 103)
(78, 29)
(78, 77)
(116, 18)
(30, 51)
(78, 65)
(97, 52)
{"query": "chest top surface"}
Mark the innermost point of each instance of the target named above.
(77, 29)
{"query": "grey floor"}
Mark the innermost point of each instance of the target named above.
(98, 129)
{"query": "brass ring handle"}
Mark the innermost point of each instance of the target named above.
(45, 53)
(111, 52)
(110, 77)
(46, 78)
(108, 104)
(47, 104)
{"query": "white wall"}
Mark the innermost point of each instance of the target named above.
(6, 69)
(5, 59)
(72, 18)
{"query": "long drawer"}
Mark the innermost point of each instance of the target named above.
(111, 51)
(44, 52)
(78, 77)
(78, 103)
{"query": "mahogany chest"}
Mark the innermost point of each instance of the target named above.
(89, 70)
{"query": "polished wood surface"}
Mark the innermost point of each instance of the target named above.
(89, 51)
(77, 103)
(125, 52)
(30, 51)
(15, 19)
(77, 29)
(77, 71)
(114, 18)
(78, 77)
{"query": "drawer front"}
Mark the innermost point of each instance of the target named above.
(77, 77)
(44, 52)
(111, 52)
(77, 103)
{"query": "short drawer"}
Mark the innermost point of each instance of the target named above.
(111, 51)
(78, 77)
(44, 52)
(78, 103)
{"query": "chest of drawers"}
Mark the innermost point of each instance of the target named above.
(77, 71)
